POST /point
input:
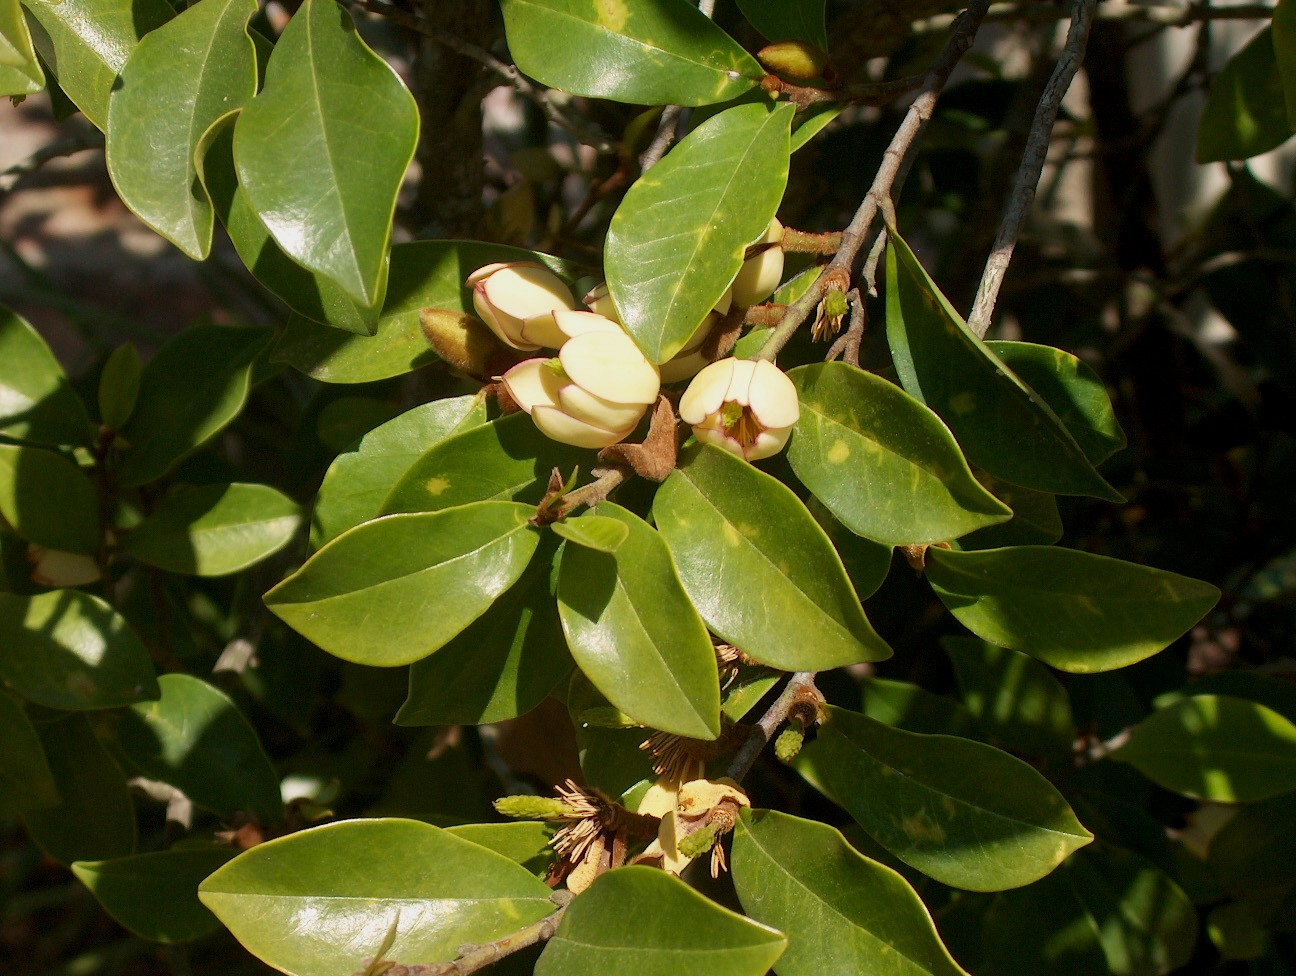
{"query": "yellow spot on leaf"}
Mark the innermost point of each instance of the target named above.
(613, 14)
(732, 536)
(921, 829)
(838, 453)
(437, 485)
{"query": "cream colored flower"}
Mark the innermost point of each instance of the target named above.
(593, 394)
(761, 273)
(509, 295)
(690, 360)
(684, 810)
(748, 408)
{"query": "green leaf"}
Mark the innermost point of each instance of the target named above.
(321, 151)
(1072, 610)
(758, 568)
(156, 895)
(119, 386)
(214, 530)
(810, 123)
(311, 295)
(1002, 424)
(503, 664)
(505, 460)
(1216, 748)
(914, 709)
(884, 464)
(1035, 520)
(961, 812)
(644, 53)
(96, 819)
(1013, 697)
(639, 921)
(1256, 850)
(677, 239)
(195, 738)
(321, 901)
(635, 635)
(394, 590)
(1073, 391)
(48, 500)
(358, 481)
(1105, 910)
(524, 842)
(68, 649)
(20, 73)
(26, 782)
(1244, 114)
(180, 79)
(86, 43)
(867, 562)
(842, 912)
(424, 274)
(1284, 49)
(195, 385)
(36, 401)
(597, 532)
(788, 20)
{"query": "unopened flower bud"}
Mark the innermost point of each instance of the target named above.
(690, 360)
(508, 295)
(599, 299)
(592, 395)
(794, 60)
(747, 408)
(761, 273)
(464, 342)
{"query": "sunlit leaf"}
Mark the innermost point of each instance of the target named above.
(20, 74)
(1245, 114)
(48, 500)
(36, 401)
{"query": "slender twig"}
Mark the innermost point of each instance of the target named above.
(520, 83)
(865, 93)
(595, 491)
(847, 345)
(70, 146)
(798, 688)
(1165, 15)
(1032, 165)
(893, 167)
(665, 135)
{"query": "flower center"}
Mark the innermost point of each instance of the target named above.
(740, 423)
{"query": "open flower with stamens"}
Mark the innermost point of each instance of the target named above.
(747, 408)
(509, 295)
(701, 807)
(594, 392)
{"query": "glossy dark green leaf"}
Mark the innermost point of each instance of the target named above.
(321, 151)
(812, 121)
(119, 386)
(96, 819)
(787, 20)
(1013, 697)
(1035, 521)
(634, 634)
(36, 401)
(424, 274)
(961, 812)
(758, 568)
(215, 530)
(1245, 114)
(321, 901)
(912, 708)
(1255, 851)
(358, 480)
(524, 842)
(867, 562)
(1216, 748)
(1072, 610)
(1284, 48)
(842, 912)
(678, 237)
(20, 73)
(178, 80)
(1072, 390)
(155, 895)
(639, 921)
(310, 295)
(394, 590)
(506, 459)
(68, 649)
(195, 738)
(26, 782)
(597, 532)
(195, 385)
(86, 43)
(885, 465)
(503, 664)
(1105, 910)
(48, 500)
(643, 53)
(1002, 424)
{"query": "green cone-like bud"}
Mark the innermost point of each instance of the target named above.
(532, 807)
(788, 744)
(698, 843)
